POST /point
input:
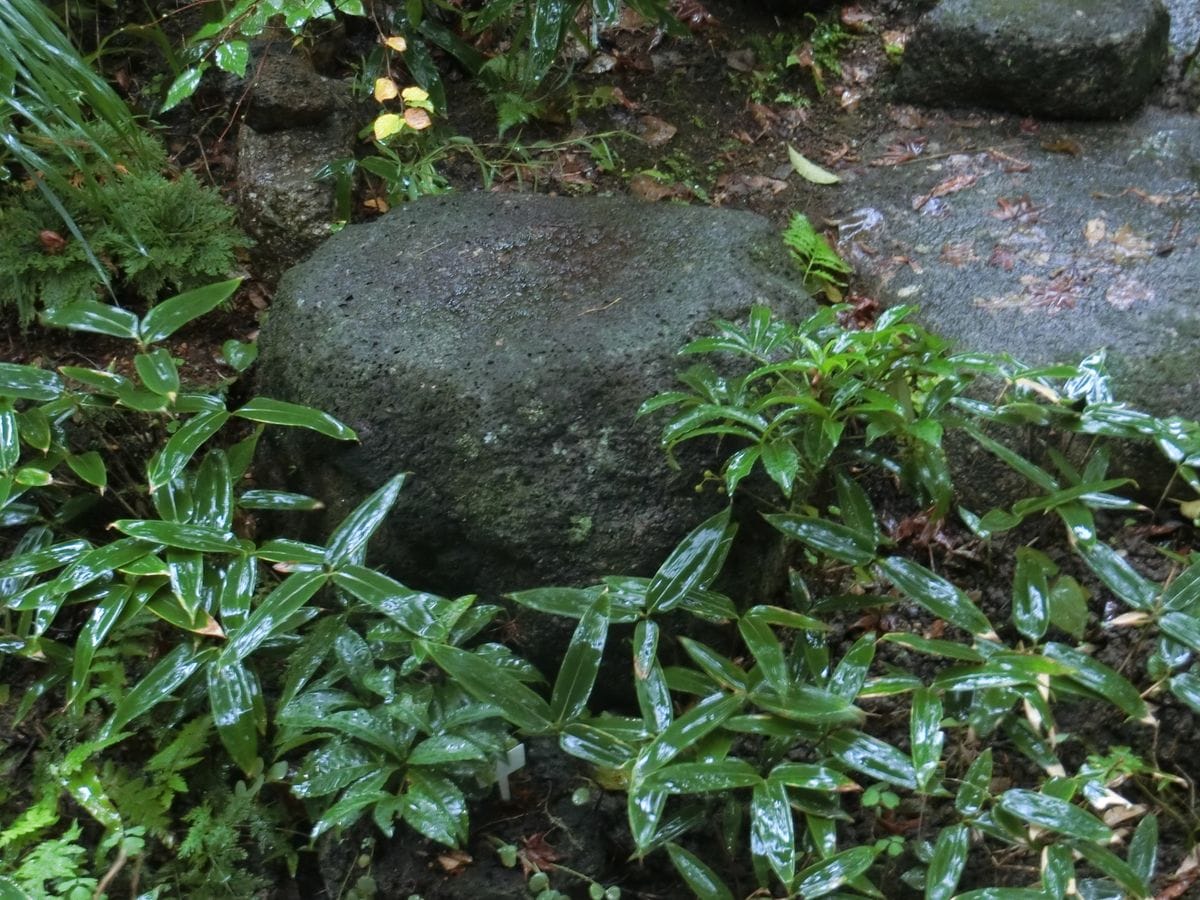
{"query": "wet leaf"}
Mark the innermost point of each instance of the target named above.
(1055, 814)
(936, 594)
(1031, 592)
(703, 777)
(975, 788)
(1105, 681)
(485, 682)
(809, 170)
(949, 859)
(348, 542)
(238, 711)
(694, 563)
(838, 541)
(169, 316)
(702, 880)
(772, 829)
(278, 412)
(872, 757)
(926, 736)
(29, 383)
(828, 875)
(577, 675)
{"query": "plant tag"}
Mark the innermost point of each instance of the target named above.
(511, 763)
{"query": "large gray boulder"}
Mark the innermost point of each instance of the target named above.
(1087, 59)
(497, 347)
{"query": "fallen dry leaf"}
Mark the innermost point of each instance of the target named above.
(742, 60)
(1094, 231)
(655, 131)
(908, 117)
(896, 37)
(454, 861)
(1019, 210)
(692, 14)
(1002, 258)
(901, 152)
(958, 253)
(741, 184)
(536, 854)
(1008, 163)
(1063, 291)
(949, 186)
(1124, 292)
(52, 242)
(646, 188)
(1066, 145)
(1129, 245)
(848, 98)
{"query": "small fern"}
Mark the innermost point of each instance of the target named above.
(822, 267)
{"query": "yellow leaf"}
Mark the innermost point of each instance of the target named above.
(809, 170)
(414, 95)
(387, 125)
(397, 43)
(1190, 509)
(417, 119)
(385, 89)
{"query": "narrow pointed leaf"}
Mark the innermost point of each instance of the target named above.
(1031, 593)
(580, 664)
(703, 777)
(872, 757)
(838, 541)
(158, 372)
(90, 467)
(349, 539)
(694, 563)
(936, 594)
(179, 535)
(976, 785)
(948, 861)
(271, 615)
(927, 736)
(29, 383)
(773, 830)
(416, 612)
(169, 316)
(1055, 814)
(279, 412)
(169, 462)
(649, 681)
(1105, 681)
(702, 880)
(93, 316)
(520, 705)
(828, 875)
(167, 675)
(687, 730)
(1120, 577)
(236, 700)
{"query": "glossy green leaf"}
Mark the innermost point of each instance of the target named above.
(738, 467)
(995, 893)
(1186, 687)
(1183, 627)
(90, 467)
(686, 731)
(1068, 606)
(84, 787)
(872, 757)
(782, 463)
(184, 614)
(279, 412)
(158, 372)
(595, 745)
(35, 562)
(232, 56)
(182, 87)
(772, 828)
(649, 682)
(239, 356)
(807, 704)
(702, 880)
(786, 618)
(722, 670)
(179, 535)
(103, 617)
(767, 652)
(1143, 848)
(1031, 592)
(703, 777)
(811, 778)
(581, 663)
(416, 612)
(279, 501)
(856, 508)
(1055, 814)
(348, 542)
(927, 738)
(1120, 577)
(976, 785)
(236, 700)
(33, 476)
(175, 455)
(575, 602)
(1098, 677)
(98, 563)
(169, 316)
(644, 807)
(1038, 476)
(481, 679)
(694, 563)
(1113, 866)
(1183, 595)
(10, 441)
(835, 540)
(271, 615)
(168, 674)
(29, 383)
(933, 647)
(93, 316)
(238, 583)
(827, 876)
(936, 594)
(436, 808)
(445, 748)
(948, 861)
(212, 493)
(851, 671)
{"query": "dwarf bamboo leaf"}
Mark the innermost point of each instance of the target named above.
(975, 788)
(93, 316)
(694, 563)
(481, 679)
(872, 757)
(29, 383)
(159, 683)
(1031, 592)
(703, 881)
(279, 412)
(272, 614)
(1118, 575)
(580, 664)
(1055, 814)
(927, 736)
(838, 541)
(772, 829)
(238, 711)
(948, 861)
(348, 542)
(828, 875)
(936, 594)
(1098, 677)
(595, 745)
(169, 462)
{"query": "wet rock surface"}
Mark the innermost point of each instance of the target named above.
(296, 124)
(497, 347)
(1080, 59)
(1047, 242)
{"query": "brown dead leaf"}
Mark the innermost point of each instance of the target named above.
(692, 14)
(901, 152)
(842, 153)
(454, 862)
(1066, 145)
(646, 188)
(849, 98)
(1094, 231)
(949, 186)
(895, 37)
(376, 205)
(958, 253)
(742, 184)
(655, 131)
(619, 97)
(862, 314)
(1019, 210)
(52, 242)
(1183, 878)
(764, 117)
(856, 19)
(1063, 291)
(572, 168)
(1002, 258)
(1030, 126)
(536, 854)
(1125, 292)
(1008, 163)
